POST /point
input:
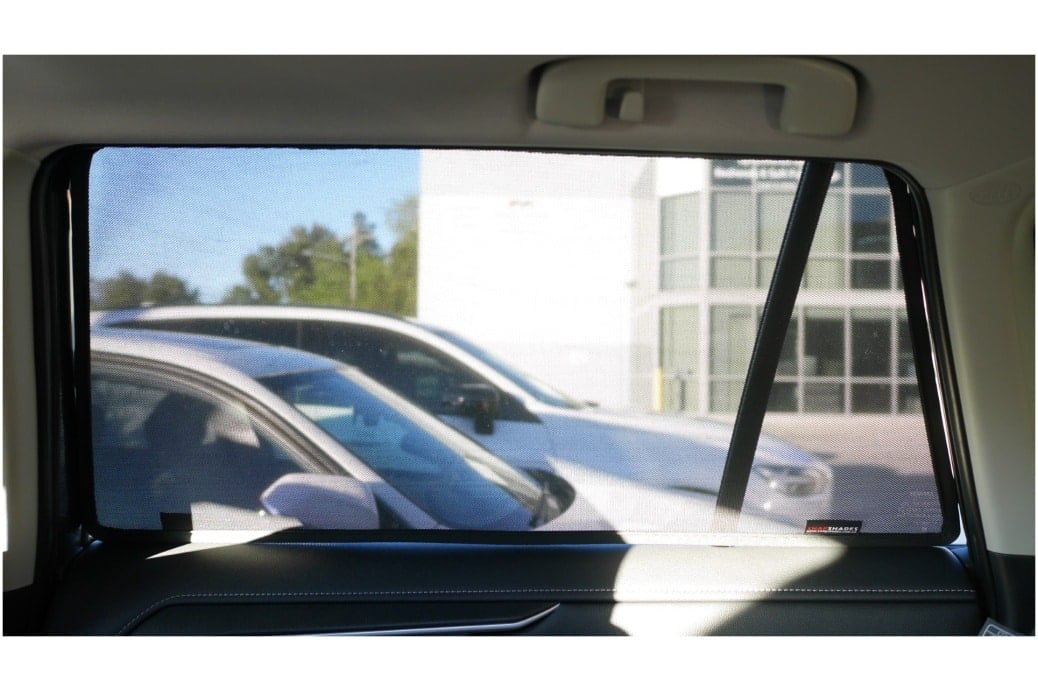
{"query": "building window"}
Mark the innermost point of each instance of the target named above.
(847, 349)
(679, 357)
(772, 215)
(834, 360)
(870, 343)
(785, 389)
(679, 242)
(909, 400)
(732, 328)
(871, 242)
(853, 246)
(826, 266)
(823, 358)
(732, 240)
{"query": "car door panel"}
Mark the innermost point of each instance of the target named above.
(290, 588)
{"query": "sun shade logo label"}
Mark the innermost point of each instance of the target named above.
(831, 527)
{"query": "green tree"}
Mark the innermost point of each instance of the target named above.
(402, 269)
(121, 291)
(308, 266)
(239, 294)
(125, 290)
(372, 281)
(167, 289)
(312, 266)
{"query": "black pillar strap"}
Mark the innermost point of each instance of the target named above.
(782, 295)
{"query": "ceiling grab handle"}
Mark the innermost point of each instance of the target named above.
(820, 96)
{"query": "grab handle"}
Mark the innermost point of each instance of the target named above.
(820, 97)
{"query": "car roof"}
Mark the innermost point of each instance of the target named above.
(201, 352)
(269, 312)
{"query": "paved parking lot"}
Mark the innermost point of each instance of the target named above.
(882, 471)
(897, 443)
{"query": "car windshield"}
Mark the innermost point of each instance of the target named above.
(485, 494)
(538, 389)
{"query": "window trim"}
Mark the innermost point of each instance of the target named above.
(63, 436)
(54, 307)
(931, 342)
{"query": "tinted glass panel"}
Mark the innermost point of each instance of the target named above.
(679, 221)
(866, 175)
(679, 353)
(870, 223)
(679, 273)
(870, 346)
(168, 456)
(635, 284)
(408, 457)
(734, 225)
(414, 370)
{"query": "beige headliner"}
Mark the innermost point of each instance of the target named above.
(944, 119)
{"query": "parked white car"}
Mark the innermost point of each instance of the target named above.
(523, 421)
(204, 433)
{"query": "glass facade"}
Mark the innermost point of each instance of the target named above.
(679, 241)
(679, 357)
(847, 349)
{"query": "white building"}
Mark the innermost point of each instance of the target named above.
(639, 282)
(530, 257)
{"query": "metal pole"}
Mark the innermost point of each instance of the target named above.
(353, 265)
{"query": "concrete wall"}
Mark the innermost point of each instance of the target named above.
(529, 255)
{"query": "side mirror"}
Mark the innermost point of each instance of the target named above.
(479, 401)
(322, 501)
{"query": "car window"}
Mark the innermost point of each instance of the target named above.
(531, 385)
(170, 456)
(415, 371)
(640, 283)
(462, 490)
(421, 373)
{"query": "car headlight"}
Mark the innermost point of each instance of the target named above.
(796, 481)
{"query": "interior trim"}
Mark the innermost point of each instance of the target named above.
(120, 588)
(490, 628)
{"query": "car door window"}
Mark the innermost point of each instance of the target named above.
(168, 456)
(461, 487)
(640, 282)
(416, 371)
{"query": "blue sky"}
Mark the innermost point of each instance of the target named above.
(197, 212)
